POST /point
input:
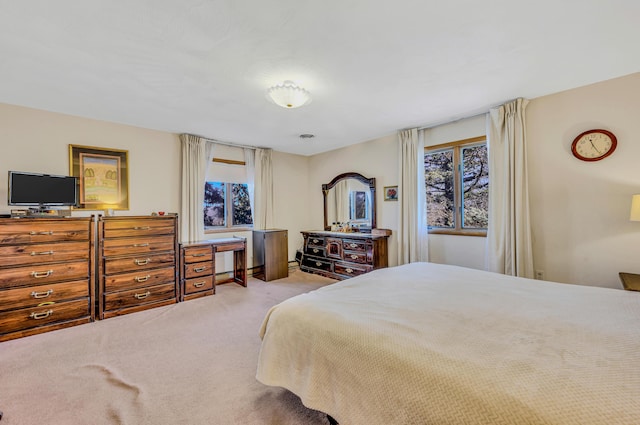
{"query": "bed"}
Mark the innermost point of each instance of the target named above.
(426, 343)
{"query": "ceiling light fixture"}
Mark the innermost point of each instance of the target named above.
(288, 95)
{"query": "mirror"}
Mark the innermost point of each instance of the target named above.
(350, 197)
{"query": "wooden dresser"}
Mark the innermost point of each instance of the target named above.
(270, 254)
(137, 263)
(46, 274)
(343, 255)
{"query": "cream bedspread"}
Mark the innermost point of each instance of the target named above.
(434, 344)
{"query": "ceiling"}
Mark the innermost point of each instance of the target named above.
(372, 67)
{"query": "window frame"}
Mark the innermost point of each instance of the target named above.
(228, 213)
(457, 147)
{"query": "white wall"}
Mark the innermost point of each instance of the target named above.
(580, 210)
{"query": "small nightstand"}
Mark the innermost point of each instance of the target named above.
(630, 281)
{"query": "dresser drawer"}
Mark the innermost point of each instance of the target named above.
(128, 246)
(43, 253)
(198, 284)
(351, 269)
(320, 252)
(233, 246)
(353, 245)
(31, 296)
(25, 318)
(139, 279)
(36, 231)
(317, 263)
(198, 254)
(139, 262)
(38, 274)
(315, 241)
(139, 296)
(198, 269)
(356, 257)
(138, 227)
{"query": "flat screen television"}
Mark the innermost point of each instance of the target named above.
(42, 190)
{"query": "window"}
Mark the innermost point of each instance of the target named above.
(226, 192)
(226, 205)
(457, 187)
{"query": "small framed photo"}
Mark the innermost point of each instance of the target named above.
(391, 193)
(103, 176)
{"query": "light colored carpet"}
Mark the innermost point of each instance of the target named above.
(189, 363)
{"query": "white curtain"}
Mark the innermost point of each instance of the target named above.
(263, 212)
(196, 156)
(412, 224)
(341, 194)
(250, 168)
(509, 248)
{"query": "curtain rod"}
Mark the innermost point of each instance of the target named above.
(235, 145)
(437, 124)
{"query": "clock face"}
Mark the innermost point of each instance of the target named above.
(594, 145)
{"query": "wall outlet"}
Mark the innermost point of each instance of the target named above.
(539, 274)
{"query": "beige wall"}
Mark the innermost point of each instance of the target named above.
(38, 141)
(580, 210)
(377, 158)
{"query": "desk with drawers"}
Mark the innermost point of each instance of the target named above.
(198, 265)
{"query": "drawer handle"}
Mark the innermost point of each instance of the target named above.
(33, 253)
(354, 256)
(349, 270)
(142, 279)
(38, 295)
(141, 262)
(42, 315)
(199, 269)
(353, 245)
(142, 228)
(142, 296)
(318, 263)
(198, 284)
(315, 251)
(316, 241)
(49, 233)
(137, 245)
(198, 255)
(39, 275)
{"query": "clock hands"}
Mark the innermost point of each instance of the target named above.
(594, 147)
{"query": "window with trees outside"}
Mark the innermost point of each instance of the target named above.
(226, 205)
(226, 192)
(457, 187)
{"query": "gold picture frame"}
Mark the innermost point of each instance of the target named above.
(103, 177)
(391, 193)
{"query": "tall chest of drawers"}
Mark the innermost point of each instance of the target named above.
(46, 274)
(137, 263)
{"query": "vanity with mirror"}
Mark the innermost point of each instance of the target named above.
(350, 244)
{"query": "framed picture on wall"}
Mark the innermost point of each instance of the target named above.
(391, 193)
(103, 176)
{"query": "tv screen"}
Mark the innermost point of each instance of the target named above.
(42, 189)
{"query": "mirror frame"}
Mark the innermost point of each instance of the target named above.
(371, 182)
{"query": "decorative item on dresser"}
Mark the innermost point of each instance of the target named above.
(198, 265)
(46, 274)
(340, 255)
(137, 263)
(270, 254)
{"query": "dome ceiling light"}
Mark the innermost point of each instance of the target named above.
(288, 95)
